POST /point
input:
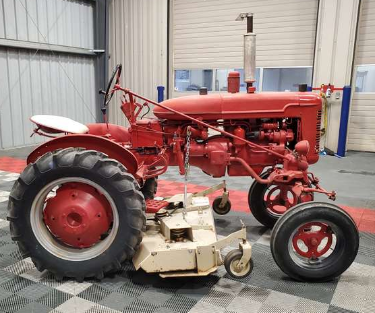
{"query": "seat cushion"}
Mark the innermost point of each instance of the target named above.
(58, 124)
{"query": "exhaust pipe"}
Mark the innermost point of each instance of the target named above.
(249, 45)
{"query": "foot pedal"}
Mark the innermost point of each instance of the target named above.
(153, 206)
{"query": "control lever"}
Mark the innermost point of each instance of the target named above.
(104, 111)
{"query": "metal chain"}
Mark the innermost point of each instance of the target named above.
(187, 167)
(187, 154)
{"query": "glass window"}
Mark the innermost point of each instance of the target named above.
(285, 79)
(221, 79)
(192, 80)
(273, 79)
(365, 81)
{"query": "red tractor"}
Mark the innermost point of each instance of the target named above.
(78, 210)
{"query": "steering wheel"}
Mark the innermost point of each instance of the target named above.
(115, 80)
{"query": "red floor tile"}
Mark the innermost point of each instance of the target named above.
(13, 165)
(369, 216)
(367, 226)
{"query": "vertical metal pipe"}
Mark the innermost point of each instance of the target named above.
(250, 24)
(101, 20)
(249, 52)
(345, 108)
(249, 57)
(160, 93)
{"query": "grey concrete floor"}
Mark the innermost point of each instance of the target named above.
(352, 177)
(20, 153)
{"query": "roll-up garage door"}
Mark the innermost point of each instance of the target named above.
(361, 134)
(206, 35)
(207, 43)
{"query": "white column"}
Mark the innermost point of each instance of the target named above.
(337, 22)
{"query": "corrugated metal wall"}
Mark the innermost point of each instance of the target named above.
(44, 82)
(138, 40)
(361, 130)
(62, 22)
(206, 35)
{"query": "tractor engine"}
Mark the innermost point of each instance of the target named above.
(272, 120)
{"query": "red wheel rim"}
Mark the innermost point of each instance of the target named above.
(280, 198)
(312, 240)
(78, 215)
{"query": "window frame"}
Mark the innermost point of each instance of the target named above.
(355, 69)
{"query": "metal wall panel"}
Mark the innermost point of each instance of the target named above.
(138, 40)
(45, 82)
(206, 35)
(60, 22)
(361, 129)
(42, 83)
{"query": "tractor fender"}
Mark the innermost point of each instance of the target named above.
(89, 142)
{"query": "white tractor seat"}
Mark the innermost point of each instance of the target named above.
(58, 124)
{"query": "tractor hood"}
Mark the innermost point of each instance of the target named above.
(237, 106)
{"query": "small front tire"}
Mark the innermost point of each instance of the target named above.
(314, 241)
(258, 205)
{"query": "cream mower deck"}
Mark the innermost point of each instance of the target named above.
(182, 241)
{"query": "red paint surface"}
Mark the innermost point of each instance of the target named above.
(78, 215)
(364, 218)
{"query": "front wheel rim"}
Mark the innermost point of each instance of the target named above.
(47, 239)
(312, 248)
(278, 199)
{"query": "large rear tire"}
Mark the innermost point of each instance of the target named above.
(314, 241)
(94, 171)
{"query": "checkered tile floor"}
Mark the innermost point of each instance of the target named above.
(267, 289)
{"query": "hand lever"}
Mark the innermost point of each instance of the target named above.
(104, 111)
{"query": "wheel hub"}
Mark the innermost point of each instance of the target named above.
(280, 198)
(312, 240)
(78, 215)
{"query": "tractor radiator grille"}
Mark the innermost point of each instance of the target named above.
(318, 125)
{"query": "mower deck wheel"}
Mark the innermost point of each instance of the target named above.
(231, 265)
(217, 209)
